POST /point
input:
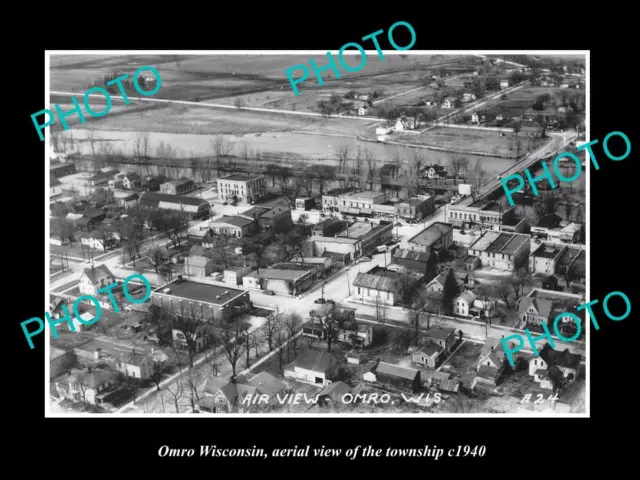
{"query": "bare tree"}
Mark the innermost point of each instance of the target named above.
(280, 337)
(190, 388)
(381, 311)
(293, 324)
(357, 162)
(270, 327)
(520, 278)
(372, 167)
(418, 312)
(158, 257)
(233, 344)
(221, 146)
(91, 138)
(189, 323)
(176, 390)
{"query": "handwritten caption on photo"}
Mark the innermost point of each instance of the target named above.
(363, 57)
(547, 173)
(359, 451)
(92, 92)
(108, 290)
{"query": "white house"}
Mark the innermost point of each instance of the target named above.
(464, 302)
(468, 97)
(427, 354)
(93, 279)
(97, 242)
(475, 118)
(135, 365)
(449, 102)
(504, 84)
(55, 187)
(86, 386)
(129, 200)
(538, 369)
(405, 123)
(363, 110)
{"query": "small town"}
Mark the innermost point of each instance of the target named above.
(353, 241)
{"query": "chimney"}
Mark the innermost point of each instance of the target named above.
(96, 353)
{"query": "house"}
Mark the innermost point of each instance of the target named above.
(471, 262)
(493, 356)
(554, 369)
(427, 354)
(277, 218)
(437, 284)
(98, 240)
(55, 186)
(221, 396)
(504, 83)
(532, 131)
(486, 376)
(313, 367)
(62, 169)
(93, 279)
(129, 201)
(246, 188)
(463, 303)
(434, 171)
(475, 118)
(436, 237)
(340, 322)
(99, 179)
(450, 102)
(364, 110)
(131, 181)
(234, 226)
(543, 306)
(135, 365)
(305, 203)
(234, 275)
(442, 336)
(395, 377)
(180, 186)
(546, 258)
(502, 250)
(468, 97)
(405, 123)
(86, 386)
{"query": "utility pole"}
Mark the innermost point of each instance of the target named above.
(348, 283)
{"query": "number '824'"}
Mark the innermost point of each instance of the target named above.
(466, 450)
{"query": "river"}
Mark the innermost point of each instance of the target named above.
(302, 147)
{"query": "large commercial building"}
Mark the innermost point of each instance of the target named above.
(369, 234)
(195, 207)
(205, 301)
(490, 214)
(437, 236)
(415, 208)
(178, 187)
(505, 251)
(244, 187)
(282, 281)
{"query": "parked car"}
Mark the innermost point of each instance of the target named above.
(319, 300)
(269, 292)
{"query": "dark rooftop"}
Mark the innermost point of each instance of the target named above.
(238, 177)
(431, 234)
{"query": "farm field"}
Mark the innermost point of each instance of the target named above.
(200, 77)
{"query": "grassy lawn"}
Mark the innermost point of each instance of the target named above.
(463, 360)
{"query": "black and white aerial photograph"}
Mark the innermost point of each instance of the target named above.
(227, 237)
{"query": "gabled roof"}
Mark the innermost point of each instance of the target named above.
(429, 348)
(313, 360)
(376, 282)
(233, 220)
(94, 273)
(90, 379)
(407, 254)
(440, 333)
(152, 199)
(468, 296)
(54, 182)
(335, 391)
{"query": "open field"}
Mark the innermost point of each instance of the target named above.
(460, 139)
(203, 77)
(211, 121)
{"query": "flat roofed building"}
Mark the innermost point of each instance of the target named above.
(235, 226)
(204, 300)
(282, 281)
(247, 188)
(488, 214)
(415, 208)
(545, 258)
(438, 236)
